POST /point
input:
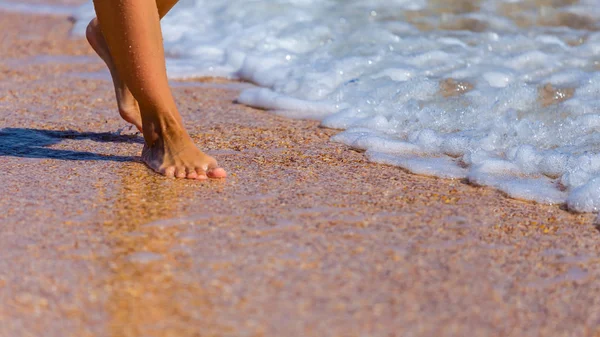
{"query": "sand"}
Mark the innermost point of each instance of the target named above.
(305, 237)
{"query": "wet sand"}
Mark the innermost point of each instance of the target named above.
(305, 238)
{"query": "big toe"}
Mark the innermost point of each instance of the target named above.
(216, 172)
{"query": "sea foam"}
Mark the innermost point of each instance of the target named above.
(502, 93)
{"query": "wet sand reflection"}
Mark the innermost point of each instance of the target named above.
(144, 294)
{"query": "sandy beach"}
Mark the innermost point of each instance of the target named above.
(304, 238)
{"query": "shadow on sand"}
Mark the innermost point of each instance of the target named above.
(33, 143)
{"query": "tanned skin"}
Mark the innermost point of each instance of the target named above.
(126, 34)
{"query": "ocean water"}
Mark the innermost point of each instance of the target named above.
(500, 93)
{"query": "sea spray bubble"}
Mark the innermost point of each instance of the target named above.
(526, 158)
(553, 164)
(586, 198)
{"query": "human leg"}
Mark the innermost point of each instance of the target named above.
(131, 29)
(128, 106)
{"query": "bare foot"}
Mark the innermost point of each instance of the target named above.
(172, 153)
(128, 106)
(137, 46)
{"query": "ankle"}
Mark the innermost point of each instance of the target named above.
(163, 125)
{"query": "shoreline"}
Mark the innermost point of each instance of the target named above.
(306, 237)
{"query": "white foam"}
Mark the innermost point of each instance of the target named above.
(438, 167)
(364, 67)
(268, 99)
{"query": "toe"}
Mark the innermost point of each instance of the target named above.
(201, 174)
(169, 172)
(180, 172)
(191, 173)
(216, 172)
